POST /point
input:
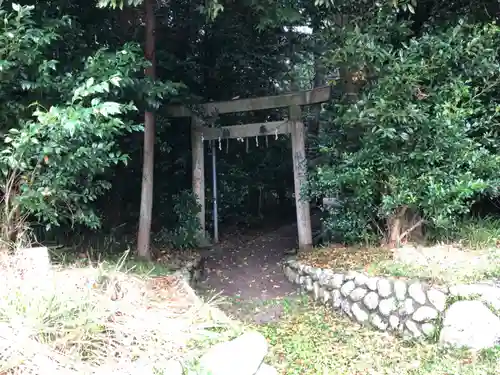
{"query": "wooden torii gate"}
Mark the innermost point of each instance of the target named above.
(293, 125)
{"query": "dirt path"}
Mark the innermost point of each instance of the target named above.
(249, 276)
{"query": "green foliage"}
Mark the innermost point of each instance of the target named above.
(422, 134)
(473, 233)
(185, 232)
(25, 72)
(59, 149)
(61, 155)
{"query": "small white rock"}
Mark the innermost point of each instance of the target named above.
(437, 298)
(424, 314)
(347, 288)
(346, 307)
(408, 307)
(413, 328)
(337, 280)
(387, 306)
(243, 355)
(376, 321)
(358, 294)
(351, 275)
(394, 322)
(416, 292)
(400, 290)
(309, 283)
(428, 329)
(326, 296)
(359, 313)
(336, 299)
(384, 288)
(371, 300)
(316, 291)
(361, 279)
(371, 283)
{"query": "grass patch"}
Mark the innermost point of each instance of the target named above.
(79, 318)
(438, 273)
(477, 233)
(311, 339)
(124, 261)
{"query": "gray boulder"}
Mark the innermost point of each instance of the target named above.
(242, 356)
(470, 324)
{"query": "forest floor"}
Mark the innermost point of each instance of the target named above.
(248, 276)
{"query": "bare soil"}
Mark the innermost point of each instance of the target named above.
(246, 271)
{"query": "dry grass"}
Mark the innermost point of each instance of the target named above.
(443, 264)
(84, 320)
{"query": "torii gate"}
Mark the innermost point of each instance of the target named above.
(292, 125)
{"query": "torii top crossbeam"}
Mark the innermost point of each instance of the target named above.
(293, 125)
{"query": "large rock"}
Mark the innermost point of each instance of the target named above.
(242, 356)
(487, 292)
(470, 324)
(266, 370)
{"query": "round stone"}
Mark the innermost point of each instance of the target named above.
(325, 277)
(371, 300)
(359, 313)
(424, 313)
(358, 294)
(316, 274)
(308, 270)
(326, 296)
(347, 288)
(336, 299)
(351, 275)
(308, 283)
(384, 288)
(400, 290)
(371, 283)
(394, 322)
(387, 306)
(428, 329)
(413, 328)
(289, 274)
(377, 321)
(317, 291)
(437, 299)
(346, 307)
(416, 291)
(337, 281)
(408, 307)
(361, 279)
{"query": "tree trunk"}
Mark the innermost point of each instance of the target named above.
(319, 80)
(404, 225)
(143, 240)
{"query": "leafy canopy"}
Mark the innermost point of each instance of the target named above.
(422, 134)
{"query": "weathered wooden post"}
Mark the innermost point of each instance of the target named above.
(297, 131)
(198, 169)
